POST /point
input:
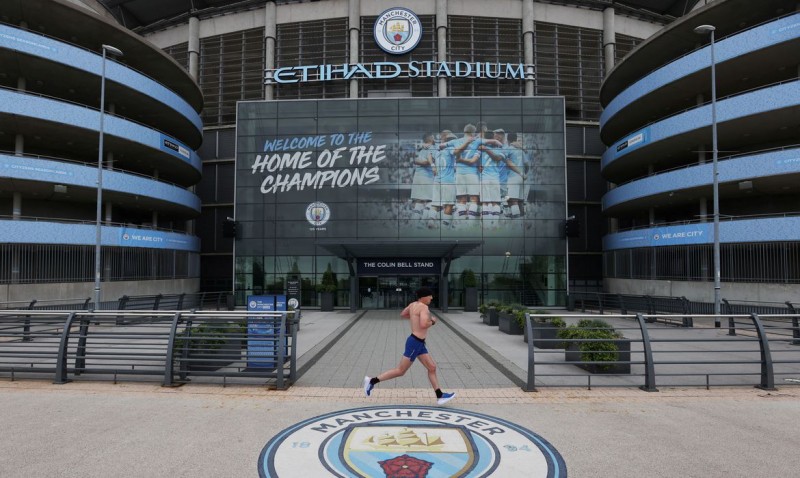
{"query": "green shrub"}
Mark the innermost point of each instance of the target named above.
(468, 278)
(328, 283)
(486, 305)
(519, 317)
(594, 351)
(210, 336)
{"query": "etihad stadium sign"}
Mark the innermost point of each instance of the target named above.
(387, 70)
(398, 31)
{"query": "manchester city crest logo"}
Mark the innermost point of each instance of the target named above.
(397, 31)
(408, 442)
(318, 213)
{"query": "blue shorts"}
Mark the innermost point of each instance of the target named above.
(414, 347)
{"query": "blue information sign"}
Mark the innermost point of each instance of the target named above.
(261, 340)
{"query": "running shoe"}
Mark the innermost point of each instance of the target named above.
(446, 397)
(367, 386)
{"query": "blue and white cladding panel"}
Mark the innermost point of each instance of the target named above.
(57, 172)
(47, 109)
(42, 232)
(783, 30)
(59, 52)
(773, 163)
(774, 229)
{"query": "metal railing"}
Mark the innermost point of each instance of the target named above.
(648, 352)
(171, 346)
(217, 300)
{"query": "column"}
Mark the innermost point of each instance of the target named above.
(155, 212)
(354, 20)
(441, 42)
(16, 208)
(194, 48)
(528, 33)
(270, 33)
(609, 39)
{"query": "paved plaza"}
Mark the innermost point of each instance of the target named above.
(99, 429)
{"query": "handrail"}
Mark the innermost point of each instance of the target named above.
(667, 354)
(87, 221)
(700, 105)
(699, 221)
(696, 164)
(767, 371)
(125, 65)
(75, 103)
(211, 345)
(89, 164)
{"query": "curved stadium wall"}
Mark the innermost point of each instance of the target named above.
(658, 125)
(49, 130)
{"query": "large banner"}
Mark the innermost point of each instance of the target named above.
(402, 168)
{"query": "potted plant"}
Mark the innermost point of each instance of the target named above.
(210, 346)
(511, 318)
(327, 289)
(489, 312)
(470, 283)
(545, 331)
(594, 340)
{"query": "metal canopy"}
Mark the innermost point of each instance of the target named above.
(371, 248)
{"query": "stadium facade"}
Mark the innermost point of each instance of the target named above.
(312, 69)
(273, 74)
(51, 52)
(657, 121)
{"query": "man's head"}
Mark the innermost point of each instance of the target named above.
(469, 129)
(424, 293)
(499, 135)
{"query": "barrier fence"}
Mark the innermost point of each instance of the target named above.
(171, 346)
(646, 350)
(199, 300)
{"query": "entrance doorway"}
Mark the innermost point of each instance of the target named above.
(394, 292)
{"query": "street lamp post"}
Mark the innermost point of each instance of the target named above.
(702, 30)
(97, 244)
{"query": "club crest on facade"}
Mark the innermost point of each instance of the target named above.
(318, 213)
(397, 31)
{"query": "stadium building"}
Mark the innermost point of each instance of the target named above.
(658, 121)
(312, 71)
(323, 122)
(53, 62)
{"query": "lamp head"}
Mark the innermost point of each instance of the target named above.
(704, 29)
(113, 50)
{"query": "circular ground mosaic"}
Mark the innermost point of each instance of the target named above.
(408, 442)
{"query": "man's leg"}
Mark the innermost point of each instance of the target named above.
(430, 364)
(399, 371)
(427, 361)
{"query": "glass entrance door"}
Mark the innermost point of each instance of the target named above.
(394, 292)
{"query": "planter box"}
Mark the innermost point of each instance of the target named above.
(471, 299)
(490, 317)
(326, 301)
(544, 336)
(214, 359)
(508, 324)
(572, 353)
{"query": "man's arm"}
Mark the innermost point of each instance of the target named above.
(425, 318)
(406, 313)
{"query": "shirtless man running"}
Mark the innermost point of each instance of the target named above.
(421, 320)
